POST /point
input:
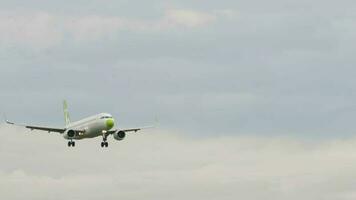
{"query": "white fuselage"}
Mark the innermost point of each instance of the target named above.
(93, 126)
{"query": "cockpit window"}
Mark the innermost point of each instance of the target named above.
(105, 117)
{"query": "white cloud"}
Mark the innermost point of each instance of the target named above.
(231, 14)
(94, 27)
(155, 165)
(37, 29)
(189, 18)
(45, 29)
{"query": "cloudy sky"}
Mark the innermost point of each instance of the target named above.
(255, 99)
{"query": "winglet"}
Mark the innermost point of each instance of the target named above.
(7, 121)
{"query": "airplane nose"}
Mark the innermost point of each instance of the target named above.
(110, 123)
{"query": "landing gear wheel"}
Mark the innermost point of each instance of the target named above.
(104, 144)
(71, 144)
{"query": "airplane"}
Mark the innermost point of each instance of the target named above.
(94, 126)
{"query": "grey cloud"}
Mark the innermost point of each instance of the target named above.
(256, 103)
(162, 163)
(276, 68)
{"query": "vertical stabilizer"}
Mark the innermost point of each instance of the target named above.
(66, 113)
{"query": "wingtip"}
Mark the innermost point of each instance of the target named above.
(7, 121)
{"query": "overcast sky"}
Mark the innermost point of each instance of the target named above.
(247, 93)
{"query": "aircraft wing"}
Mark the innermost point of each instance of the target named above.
(135, 129)
(126, 130)
(41, 128)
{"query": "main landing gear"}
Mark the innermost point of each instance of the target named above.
(71, 143)
(104, 143)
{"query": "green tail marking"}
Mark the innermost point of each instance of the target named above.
(66, 113)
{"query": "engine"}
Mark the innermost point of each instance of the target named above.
(119, 135)
(69, 134)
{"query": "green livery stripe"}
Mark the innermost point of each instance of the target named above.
(110, 123)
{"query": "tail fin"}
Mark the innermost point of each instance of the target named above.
(66, 113)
